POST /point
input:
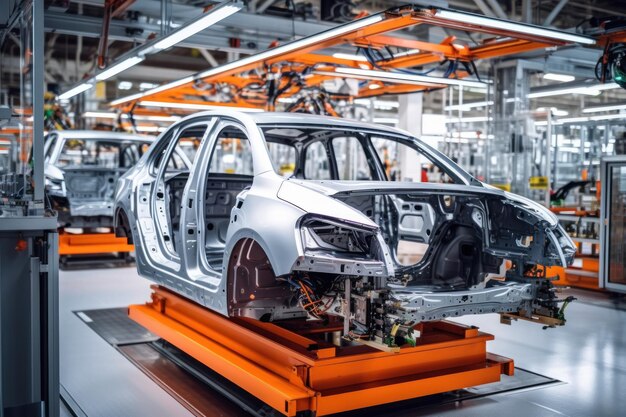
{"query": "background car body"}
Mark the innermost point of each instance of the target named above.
(81, 171)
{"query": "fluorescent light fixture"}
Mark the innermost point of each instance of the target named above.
(262, 56)
(119, 67)
(194, 106)
(401, 78)
(209, 19)
(155, 118)
(407, 53)
(158, 89)
(608, 117)
(574, 120)
(522, 29)
(469, 106)
(125, 85)
(558, 77)
(554, 111)
(468, 134)
(468, 119)
(605, 108)
(74, 91)
(378, 104)
(150, 129)
(213, 16)
(388, 120)
(147, 86)
(112, 115)
(294, 45)
(350, 57)
(592, 90)
(100, 114)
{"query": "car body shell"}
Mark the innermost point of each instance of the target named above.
(271, 210)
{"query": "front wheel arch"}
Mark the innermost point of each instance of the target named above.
(252, 289)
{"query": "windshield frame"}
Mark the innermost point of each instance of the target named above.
(453, 170)
(122, 143)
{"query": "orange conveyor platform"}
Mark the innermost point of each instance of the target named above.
(92, 243)
(294, 368)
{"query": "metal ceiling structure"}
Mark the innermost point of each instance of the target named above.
(73, 29)
(288, 69)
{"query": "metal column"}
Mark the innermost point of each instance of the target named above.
(410, 119)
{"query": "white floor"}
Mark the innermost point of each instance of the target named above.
(588, 354)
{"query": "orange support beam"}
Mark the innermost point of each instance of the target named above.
(300, 371)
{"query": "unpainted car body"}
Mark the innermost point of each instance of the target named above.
(81, 171)
(278, 219)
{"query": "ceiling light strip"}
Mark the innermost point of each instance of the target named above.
(186, 30)
(215, 15)
(196, 106)
(591, 89)
(119, 67)
(605, 108)
(521, 28)
(75, 90)
(468, 106)
(395, 77)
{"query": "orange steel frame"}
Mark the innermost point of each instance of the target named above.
(376, 35)
(293, 368)
(92, 243)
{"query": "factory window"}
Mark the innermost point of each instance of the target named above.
(405, 163)
(232, 154)
(316, 164)
(352, 163)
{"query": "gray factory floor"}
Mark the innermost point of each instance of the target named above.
(588, 355)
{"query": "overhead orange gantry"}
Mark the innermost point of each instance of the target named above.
(288, 69)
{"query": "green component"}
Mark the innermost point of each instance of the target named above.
(619, 70)
(389, 341)
(561, 314)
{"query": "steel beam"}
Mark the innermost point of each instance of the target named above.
(266, 30)
(76, 25)
(265, 5)
(209, 57)
(497, 9)
(38, 101)
(555, 12)
(484, 8)
(247, 23)
(527, 11)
